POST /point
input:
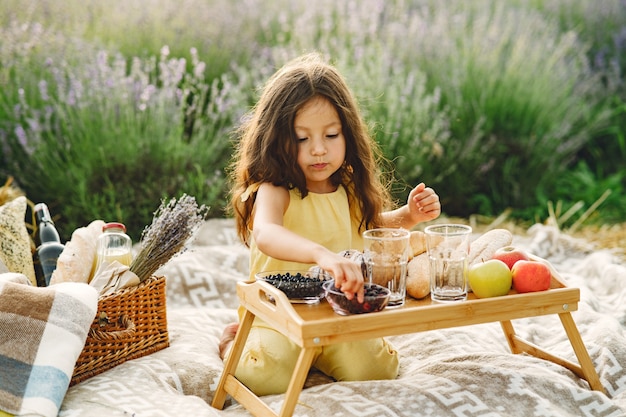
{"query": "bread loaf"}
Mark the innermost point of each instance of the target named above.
(486, 245)
(76, 261)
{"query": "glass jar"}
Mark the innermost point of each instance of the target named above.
(113, 245)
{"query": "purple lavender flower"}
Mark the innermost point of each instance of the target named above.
(22, 139)
(43, 90)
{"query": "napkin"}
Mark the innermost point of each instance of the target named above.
(112, 277)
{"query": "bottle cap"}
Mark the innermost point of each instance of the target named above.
(42, 214)
(114, 225)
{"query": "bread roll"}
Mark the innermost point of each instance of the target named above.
(418, 276)
(418, 242)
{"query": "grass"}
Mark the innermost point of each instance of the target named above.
(504, 107)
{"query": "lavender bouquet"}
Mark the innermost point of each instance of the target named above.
(173, 225)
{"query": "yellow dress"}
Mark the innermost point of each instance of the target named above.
(322, 218)
(269, 358)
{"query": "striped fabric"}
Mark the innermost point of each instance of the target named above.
(42, 332)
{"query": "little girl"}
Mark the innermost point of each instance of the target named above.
(306, 186)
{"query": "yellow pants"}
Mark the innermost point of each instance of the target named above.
(269, 359)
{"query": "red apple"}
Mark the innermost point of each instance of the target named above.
(509, 255)
(530, 276)
(491, 278)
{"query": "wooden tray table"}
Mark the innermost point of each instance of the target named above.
(311, 326)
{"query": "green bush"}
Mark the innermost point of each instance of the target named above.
(487, 102)
(107, 140)
(522, 96)
(601, 26)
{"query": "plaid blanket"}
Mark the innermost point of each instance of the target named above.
(42, 332)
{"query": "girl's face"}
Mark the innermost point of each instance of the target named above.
(321, 144)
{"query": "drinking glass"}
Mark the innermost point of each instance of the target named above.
(448, 249)
(386, 254)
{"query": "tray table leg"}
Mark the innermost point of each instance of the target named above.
(230, 366)
(585, 370)
(509, 333)
(586, 364)
(300, 373)
(229, 384)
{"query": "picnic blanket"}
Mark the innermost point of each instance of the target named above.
(462, 371)
(42, 332)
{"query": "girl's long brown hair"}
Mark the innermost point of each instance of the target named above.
(267, 145)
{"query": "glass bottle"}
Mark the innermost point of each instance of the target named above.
(50, 246)
(113, 245)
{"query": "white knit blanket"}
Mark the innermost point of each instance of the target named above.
(465, 371)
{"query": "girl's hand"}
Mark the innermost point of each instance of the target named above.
(347, 274)
(423, 204)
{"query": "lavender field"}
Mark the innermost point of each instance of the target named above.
(108, 107)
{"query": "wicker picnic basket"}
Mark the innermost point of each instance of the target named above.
(130, 323)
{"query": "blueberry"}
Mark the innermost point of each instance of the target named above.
(372, 301)
(296, 285)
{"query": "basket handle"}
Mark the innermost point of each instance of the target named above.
(124, 321)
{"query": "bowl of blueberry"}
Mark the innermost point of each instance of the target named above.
(299, 286)
(376, 299)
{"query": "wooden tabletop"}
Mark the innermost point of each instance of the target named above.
(318, 325)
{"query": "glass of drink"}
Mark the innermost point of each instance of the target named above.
(448, 249)
(386, 254)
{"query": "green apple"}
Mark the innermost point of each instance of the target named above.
(491, 278)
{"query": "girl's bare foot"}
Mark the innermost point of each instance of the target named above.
(227, 338)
